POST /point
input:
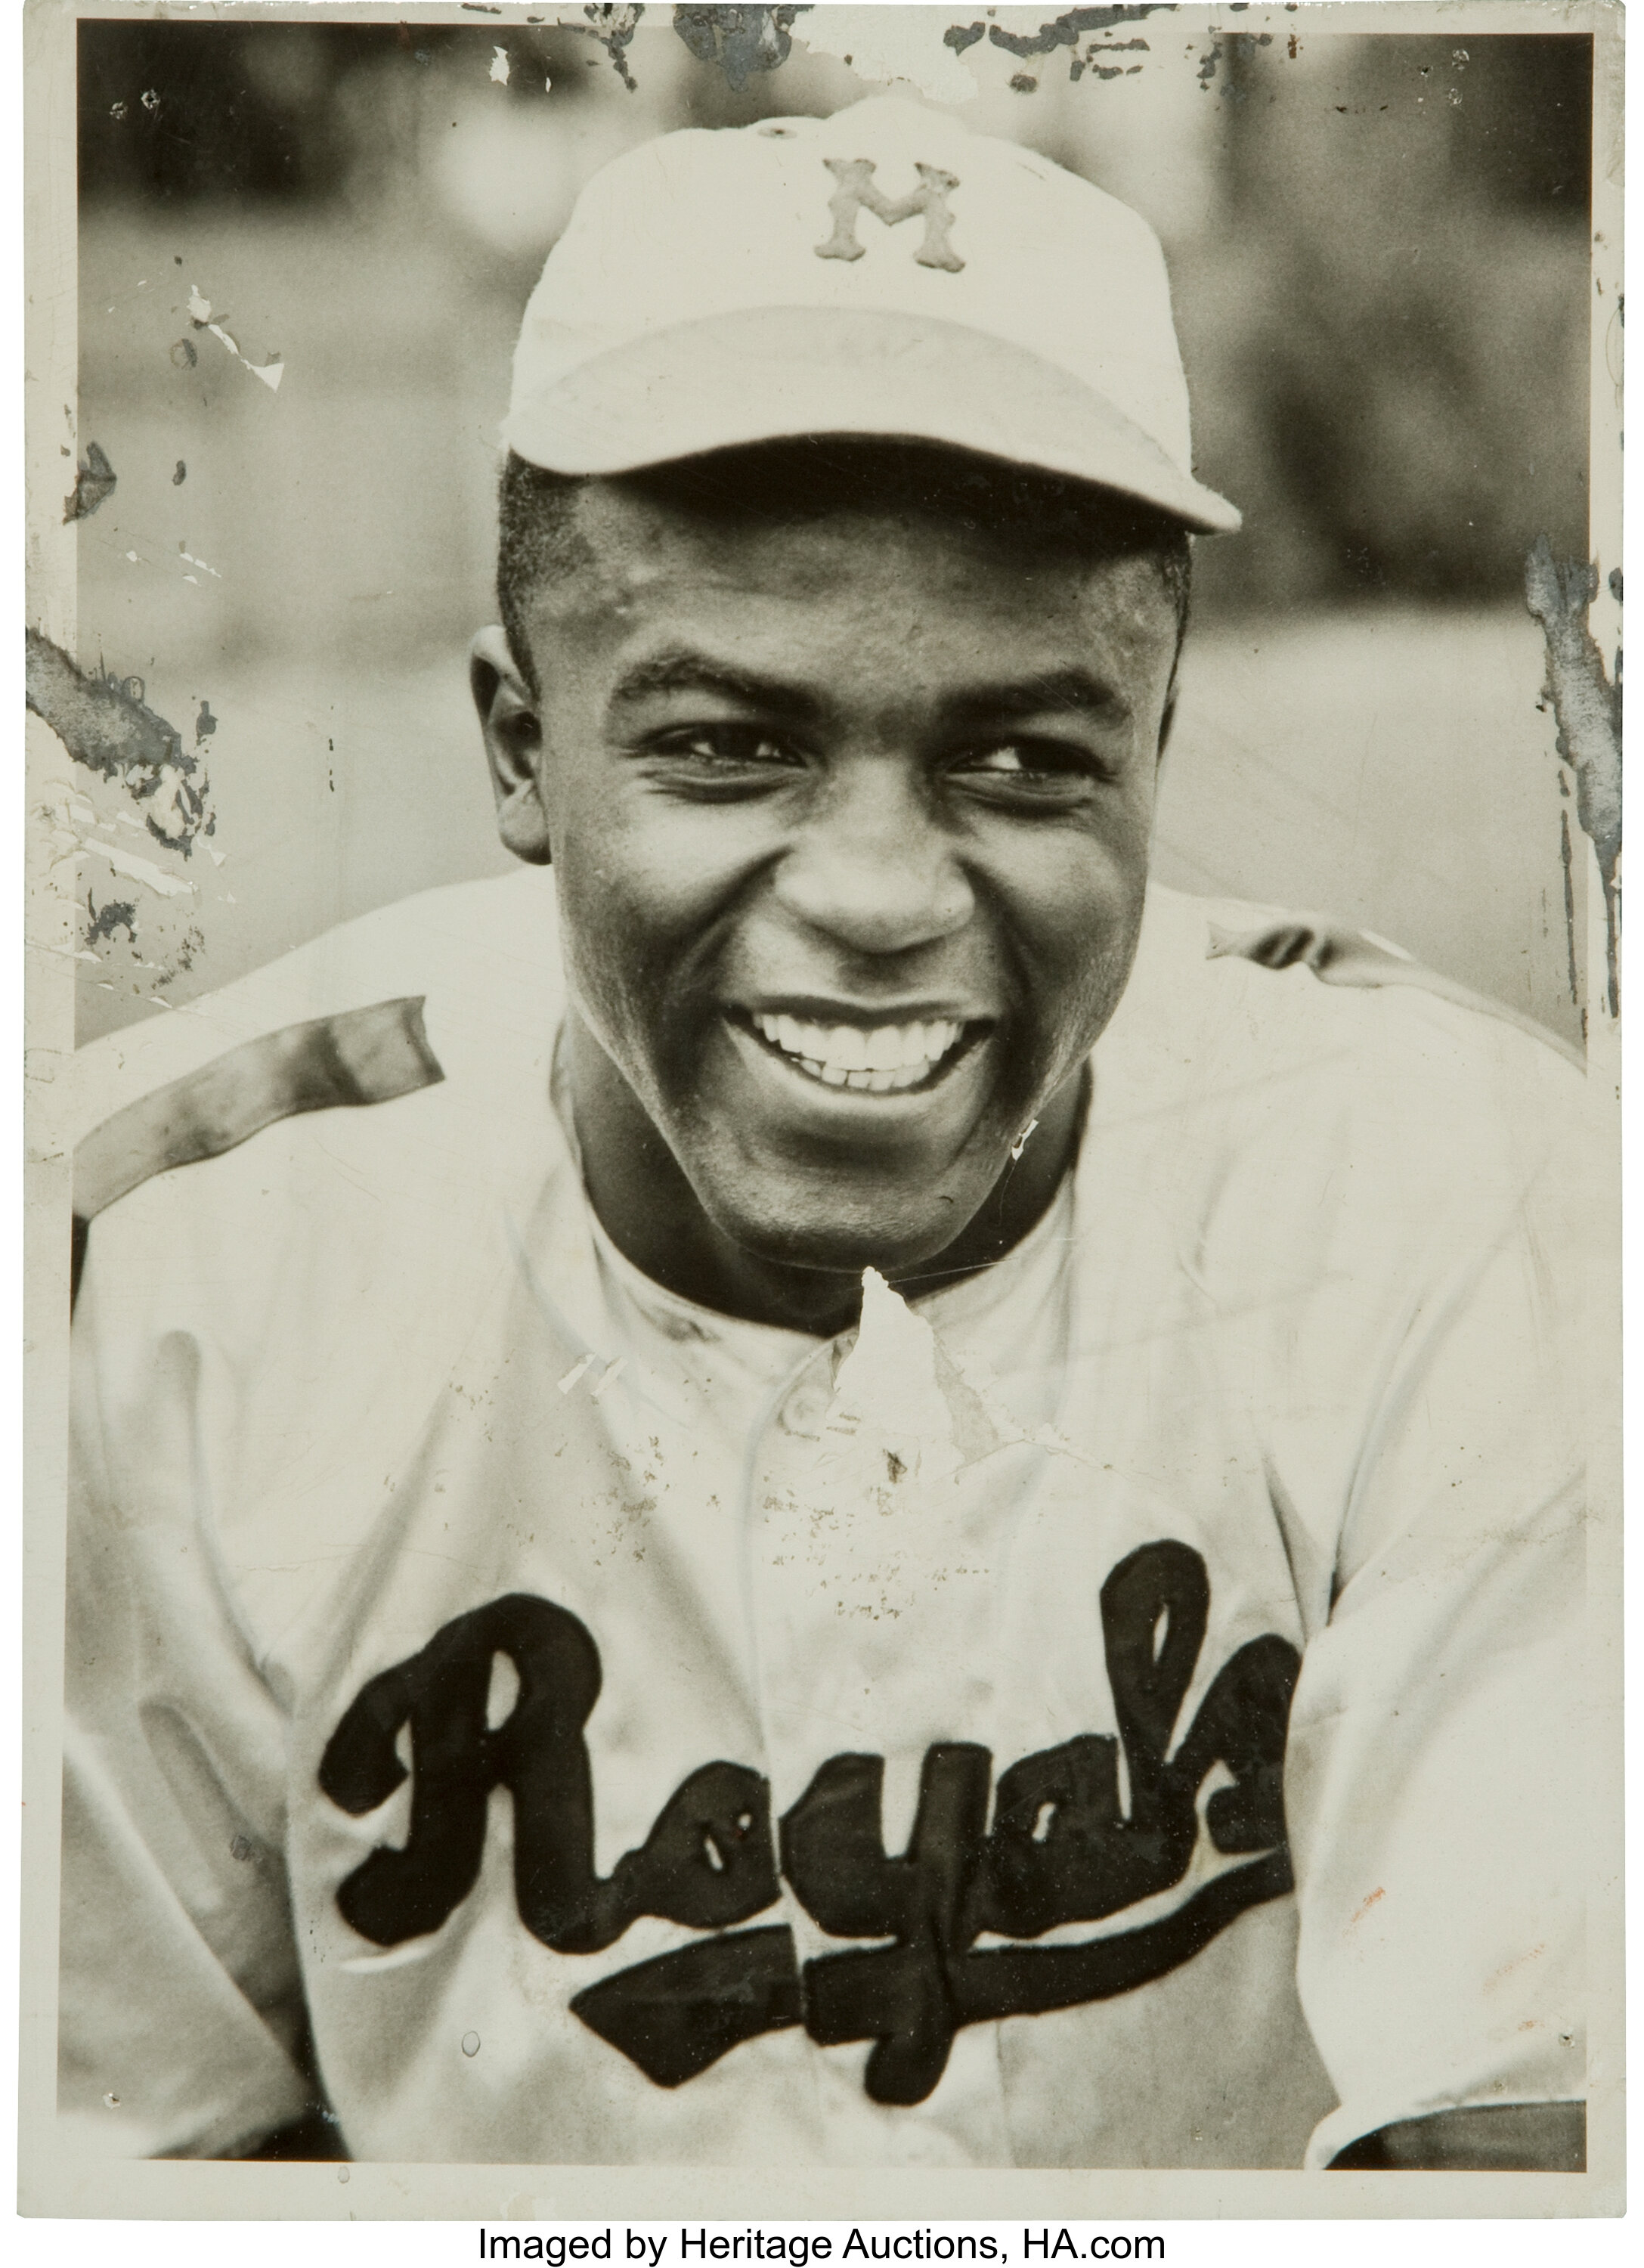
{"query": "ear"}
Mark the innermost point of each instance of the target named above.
(513, 727)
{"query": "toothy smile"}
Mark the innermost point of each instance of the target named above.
(883, 1061)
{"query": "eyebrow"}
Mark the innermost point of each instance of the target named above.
(682, 670)
(1030, 696)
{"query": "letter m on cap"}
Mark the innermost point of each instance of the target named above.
(856, 189)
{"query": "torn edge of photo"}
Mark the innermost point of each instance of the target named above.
(843, 1432)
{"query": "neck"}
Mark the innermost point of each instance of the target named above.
(652, 1215)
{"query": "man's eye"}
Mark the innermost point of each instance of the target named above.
(727, 747)
(1032, 763)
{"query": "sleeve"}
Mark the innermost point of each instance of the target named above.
(182, 2024)
(1435, 1781)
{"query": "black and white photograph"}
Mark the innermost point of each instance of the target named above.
(824, 856)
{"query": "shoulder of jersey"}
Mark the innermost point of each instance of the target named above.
(1225, 993)
(454, 994)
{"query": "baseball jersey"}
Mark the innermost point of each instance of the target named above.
(1121, 1710)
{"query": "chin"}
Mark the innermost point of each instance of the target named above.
(842, 1237)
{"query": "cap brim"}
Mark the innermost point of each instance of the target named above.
(772, 374)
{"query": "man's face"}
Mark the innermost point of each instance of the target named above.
(850, 820)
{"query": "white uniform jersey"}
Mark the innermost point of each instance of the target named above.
(584, 1727)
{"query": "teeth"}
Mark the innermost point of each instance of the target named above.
(880, 1062)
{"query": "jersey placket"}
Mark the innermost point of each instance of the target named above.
(878, 1523)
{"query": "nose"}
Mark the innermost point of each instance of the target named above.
(874, 870)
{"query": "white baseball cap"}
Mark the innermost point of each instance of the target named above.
(884, 271)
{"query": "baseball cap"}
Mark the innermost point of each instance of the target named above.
(884, 271)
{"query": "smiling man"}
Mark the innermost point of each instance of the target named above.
(844, 755)
(825, 1483)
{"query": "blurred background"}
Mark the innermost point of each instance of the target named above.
(305, 248)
